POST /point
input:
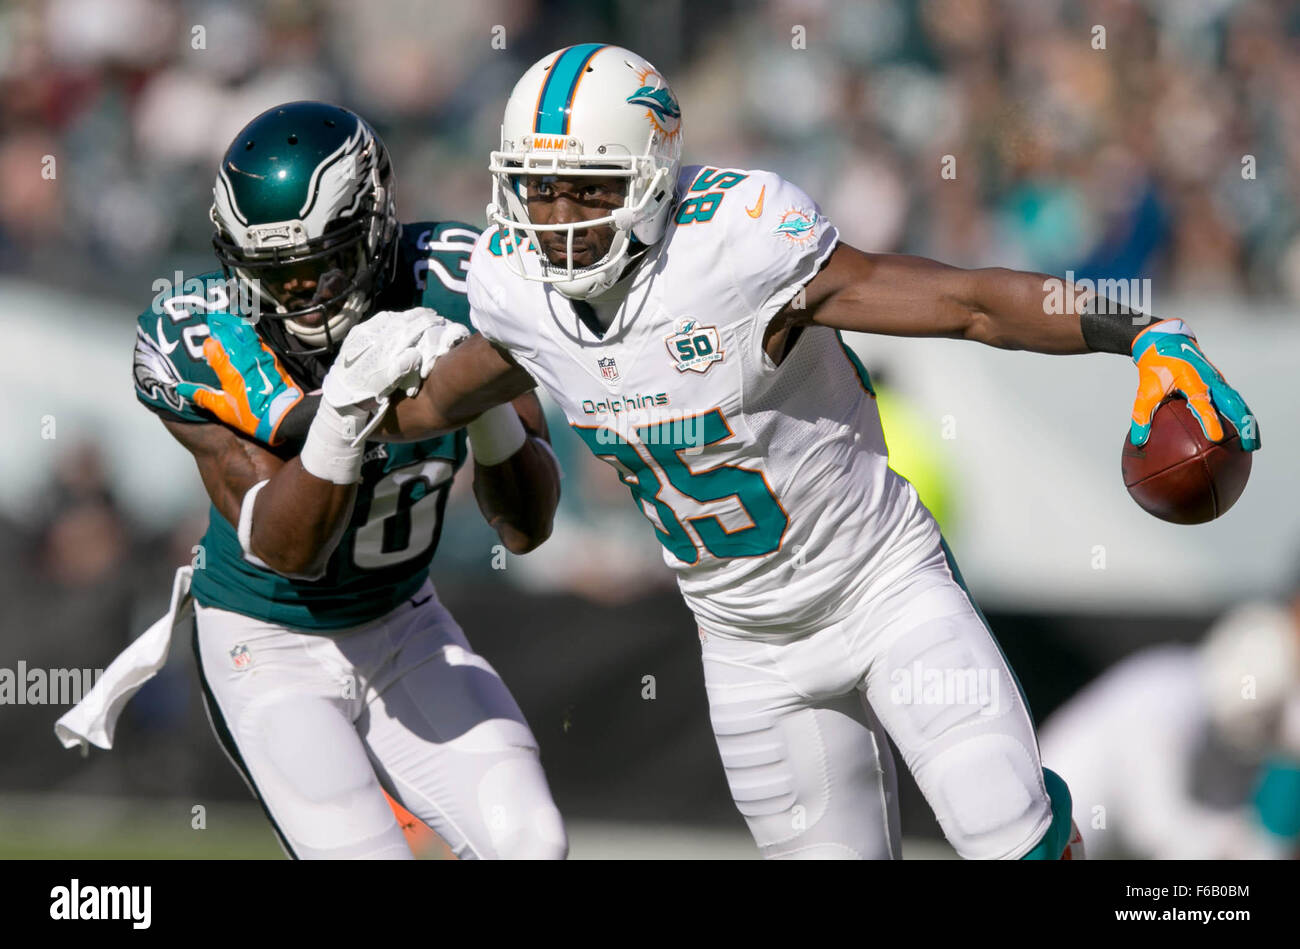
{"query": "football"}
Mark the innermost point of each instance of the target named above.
(1181, 476)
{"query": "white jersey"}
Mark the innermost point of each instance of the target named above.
(768, 485)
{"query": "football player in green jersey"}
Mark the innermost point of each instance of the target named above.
(331, 672)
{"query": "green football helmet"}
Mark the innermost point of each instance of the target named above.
(305, 220)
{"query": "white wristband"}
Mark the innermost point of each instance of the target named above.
(496, 434)
(245, 529)
(328, 452)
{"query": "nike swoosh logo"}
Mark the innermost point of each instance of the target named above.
(163, 343)
(757, 210)
(415, 602)
(267, 387)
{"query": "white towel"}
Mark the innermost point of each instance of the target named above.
(93, 719)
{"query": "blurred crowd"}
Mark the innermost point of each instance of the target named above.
(1120, 138)
(1107, 137)
(1114, 138)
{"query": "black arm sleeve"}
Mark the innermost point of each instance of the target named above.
(293, 427)
(1110, 327)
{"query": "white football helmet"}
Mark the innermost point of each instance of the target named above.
(597, 111)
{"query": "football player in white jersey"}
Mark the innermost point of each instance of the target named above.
(688, 320)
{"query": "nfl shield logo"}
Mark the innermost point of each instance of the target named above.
(240, 657)
(608, 369)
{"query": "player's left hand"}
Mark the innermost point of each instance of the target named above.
(1170, 360)
(256, 393)
(389, 351)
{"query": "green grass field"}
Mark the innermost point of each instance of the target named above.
(64, 826)
(61, 826)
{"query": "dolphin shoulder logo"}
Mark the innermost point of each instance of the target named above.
(797, 226)
(693, 347)
(662, 109)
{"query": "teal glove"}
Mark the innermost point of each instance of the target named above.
(1170, 360)
(256, 392)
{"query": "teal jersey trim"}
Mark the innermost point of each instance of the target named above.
(956, 573)
(556, 99)
(863, 376)
(1057, 837)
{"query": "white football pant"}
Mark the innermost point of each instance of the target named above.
(317, 724)
(801, 727)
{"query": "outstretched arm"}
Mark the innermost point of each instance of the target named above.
(291, 514)
(899, 295)
(519, 488)
(467, 381)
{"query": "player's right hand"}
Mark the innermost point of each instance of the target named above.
(256, 392)
(388, 351)
(1169, 360)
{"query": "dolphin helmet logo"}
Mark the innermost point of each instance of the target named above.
(664, 113)
(659, 101)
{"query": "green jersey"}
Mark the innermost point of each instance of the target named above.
(384, 555)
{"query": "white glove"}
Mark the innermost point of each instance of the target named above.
(391, 350)
(436, 341)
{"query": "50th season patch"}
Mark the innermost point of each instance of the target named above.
(693, 347)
